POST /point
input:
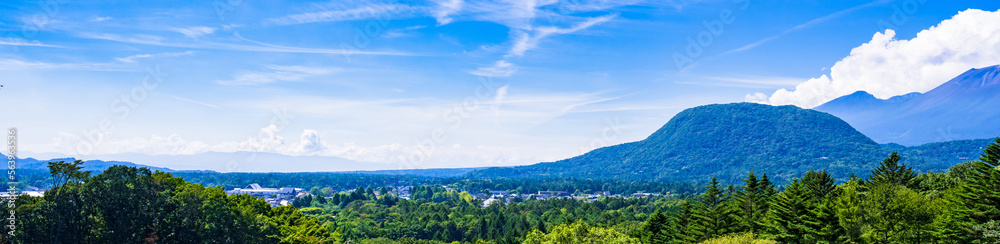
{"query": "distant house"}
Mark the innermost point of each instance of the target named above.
(644, 194)
(498, 193)
(548, 194)
(274, 196)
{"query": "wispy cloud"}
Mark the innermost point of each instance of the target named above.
(133, 58)
(11, 41)
(275, 73)
(194, 32)
(805, 25)
(362, 12)
(100, 19)
(446, 8)
(189, 100)
(499, 69)
(259, 47)
(525, 42)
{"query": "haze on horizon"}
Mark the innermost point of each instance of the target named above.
(448, 83)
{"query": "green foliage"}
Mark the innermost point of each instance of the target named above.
(714, 215)
(979, 198)
(739, 238)
(791, 215)
(892, 205)
(578, 232)
(133, 205)
(752, 204)
(891, 172)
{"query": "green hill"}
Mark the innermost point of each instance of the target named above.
(728, 140)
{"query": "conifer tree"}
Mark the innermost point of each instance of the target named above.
(657, 229)
(790, 214)
(890, 171)
(687, 217)
(750, 205)
(980, 197)
(715, 214)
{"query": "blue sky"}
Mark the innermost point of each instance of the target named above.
(448, 83)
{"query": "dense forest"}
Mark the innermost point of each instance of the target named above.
(893, 204)
(134, 205)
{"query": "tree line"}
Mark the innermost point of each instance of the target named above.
(134, 205)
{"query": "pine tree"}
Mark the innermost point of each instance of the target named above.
(790, 214)
(821, 191)
(819, 184)
(687, 218)
(715, 215)
(657, 229)
(890, 171)
(767, 188)
(980, 197)
(751, 205)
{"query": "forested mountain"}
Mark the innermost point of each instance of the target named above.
(965, 107)
(727, 140)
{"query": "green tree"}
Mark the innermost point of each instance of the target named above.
(979, 198)
(751, 205)
(892, 172)
(714, 216)
(821, 190)
(657, 229)
(790, 215)
(578, 232)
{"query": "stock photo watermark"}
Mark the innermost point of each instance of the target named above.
(609, 136)
(12, 190)
(363, 35)
(901, 13)
(36, 22)
(123, 107)
(697, 44)
(426, 147)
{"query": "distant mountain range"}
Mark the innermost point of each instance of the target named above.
(729, 140)
(966, 107)
(219, 161)
(88, 165)
(237, 162)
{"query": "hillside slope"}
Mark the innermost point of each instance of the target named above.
(723, 140)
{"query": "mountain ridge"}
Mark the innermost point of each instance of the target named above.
(961, 108)
(729, 140)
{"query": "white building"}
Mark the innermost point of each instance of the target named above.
(274, 196)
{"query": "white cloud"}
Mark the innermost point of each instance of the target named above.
(524, 42)
(194, 32)
(11, 41)
(131, 59)
(100, 19)
(310, 142)
(445, 8)
(887, 67)
(258, 47)
(277, 73)
(757, 97)
(356, 13)
(499, 69)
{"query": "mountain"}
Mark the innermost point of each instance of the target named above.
(247, 162)
(88, 165)
(216, 161)
(965, 107)
(729, 140)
